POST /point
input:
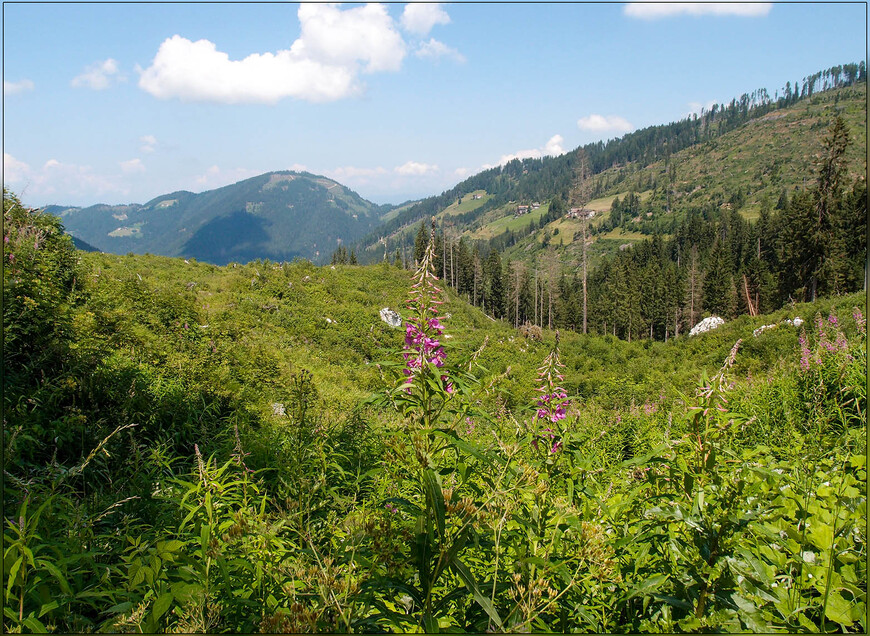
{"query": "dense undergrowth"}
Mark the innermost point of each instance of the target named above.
(191, 448)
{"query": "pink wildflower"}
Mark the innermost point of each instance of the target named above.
(820, 325)
(859, 319)
(422, 347)
(805, 350)
(551, 404)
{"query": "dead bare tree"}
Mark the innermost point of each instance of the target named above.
(581, 193)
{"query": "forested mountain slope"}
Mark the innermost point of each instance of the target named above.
(739, 154)
(278, 215)
(773, 212)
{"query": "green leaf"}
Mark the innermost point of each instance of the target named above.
(47, 608)
(465, 574)
(120, 608)
(458, 543)
(163, 603)
(838, 609)
(422, 552)
(648, 586)
(34, 625)
(12, 574)
(171, 546)
(436, 497)
(821, 536)
(56, 573)
(430, 624)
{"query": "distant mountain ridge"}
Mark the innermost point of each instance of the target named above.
(615, 165)
(278, 216)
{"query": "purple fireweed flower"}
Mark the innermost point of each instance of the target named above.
(859, 319)
(820, 325)
(832, 319)
(448, 386)
(549, 439)
(805, 350)
(552, 403)
(422, 331)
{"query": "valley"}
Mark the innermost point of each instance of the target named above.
(277, 407)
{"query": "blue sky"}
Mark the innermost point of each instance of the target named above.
(119, 103)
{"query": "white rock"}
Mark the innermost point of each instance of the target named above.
(391, 317)
(762, 328)
(708, 324)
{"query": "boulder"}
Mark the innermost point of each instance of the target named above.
(391, 317)
(708, 324)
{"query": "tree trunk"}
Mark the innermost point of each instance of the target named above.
(536, 296)
(584, 275)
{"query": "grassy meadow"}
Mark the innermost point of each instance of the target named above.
(250, 448)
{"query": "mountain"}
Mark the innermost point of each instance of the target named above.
(278, 216)
(744, 155)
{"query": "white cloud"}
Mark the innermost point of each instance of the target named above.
(55, 178)
(132, 166)
(600, 124)
(15, 88)
(419, 18)
(98, 76)
(553, 147)
(435, 49)
(14, 171)
(413, 168)
(322, 65)
(461, 172)
(149, 143)
(365, 34)
(657, 9)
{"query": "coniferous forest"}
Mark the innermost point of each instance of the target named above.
(713, 261)
(537, 445)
